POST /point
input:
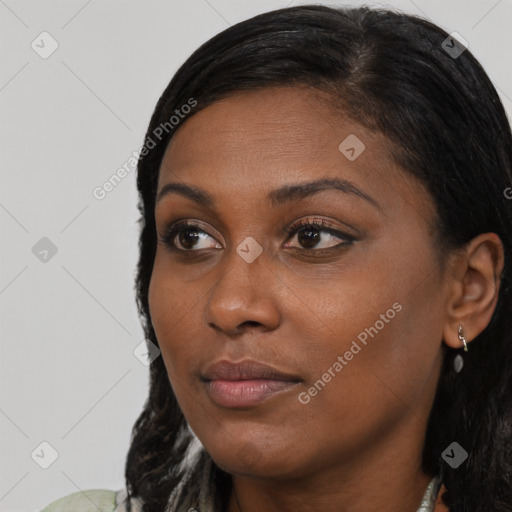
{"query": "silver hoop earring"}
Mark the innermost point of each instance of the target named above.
(462, 338)
(458, 362)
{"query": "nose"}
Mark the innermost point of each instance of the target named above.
(243, 297)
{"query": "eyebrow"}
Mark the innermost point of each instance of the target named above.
(277, 197)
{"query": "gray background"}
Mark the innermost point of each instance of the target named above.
(69, 323)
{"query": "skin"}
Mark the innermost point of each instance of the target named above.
(356, 445)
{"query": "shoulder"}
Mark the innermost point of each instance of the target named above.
(94, 500)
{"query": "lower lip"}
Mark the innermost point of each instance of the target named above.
(245, 393)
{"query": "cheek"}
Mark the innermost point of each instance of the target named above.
(177, 297)
(365, 381)
(167, 305)
(377, 339)
(160, 303)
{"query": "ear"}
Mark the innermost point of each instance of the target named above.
(474, 289)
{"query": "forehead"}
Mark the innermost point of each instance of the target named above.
(259, 140)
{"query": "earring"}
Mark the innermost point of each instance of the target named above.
(458, 362)
(462, 338)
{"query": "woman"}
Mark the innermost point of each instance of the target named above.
(325, 265)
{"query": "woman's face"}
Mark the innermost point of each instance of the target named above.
(349, 314)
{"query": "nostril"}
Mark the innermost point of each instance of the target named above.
(251, 323)
(241, 328)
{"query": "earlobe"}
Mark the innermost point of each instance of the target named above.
(476, 284)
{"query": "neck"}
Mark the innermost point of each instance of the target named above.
(386, 478)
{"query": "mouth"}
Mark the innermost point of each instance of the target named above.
(245, 384)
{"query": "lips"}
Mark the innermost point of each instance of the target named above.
(246, 370)
(245, 384)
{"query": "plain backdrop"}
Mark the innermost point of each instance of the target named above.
(69, 120)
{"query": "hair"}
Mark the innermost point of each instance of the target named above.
(447, 127)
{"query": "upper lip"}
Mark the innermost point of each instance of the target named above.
(245, 370)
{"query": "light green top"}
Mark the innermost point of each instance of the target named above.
(94, 500)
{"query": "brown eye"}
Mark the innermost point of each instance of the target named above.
(309, 235)
(185, 236)
(188, 237)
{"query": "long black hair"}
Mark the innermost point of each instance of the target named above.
(394, 73)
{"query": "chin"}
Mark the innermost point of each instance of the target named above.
(249, 458)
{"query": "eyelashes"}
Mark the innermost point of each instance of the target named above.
(185, 233)
(319, 225)
(169, 236)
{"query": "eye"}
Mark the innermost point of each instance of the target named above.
(186, 236)
(309, 234)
